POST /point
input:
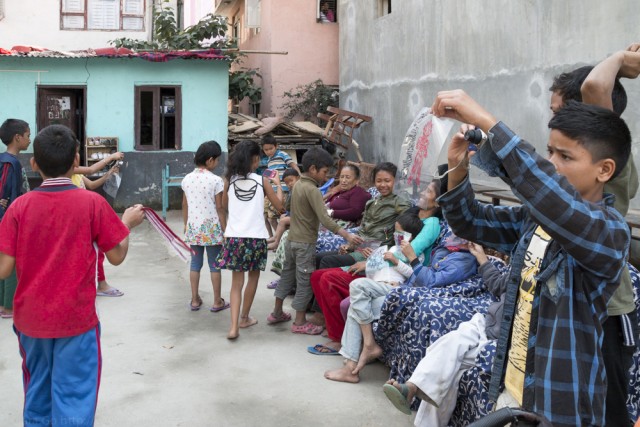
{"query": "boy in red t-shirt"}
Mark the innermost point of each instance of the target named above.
(52, 236)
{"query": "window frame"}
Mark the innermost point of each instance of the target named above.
(384, 8)
(334, 9)
(156, 89)
(121, 17)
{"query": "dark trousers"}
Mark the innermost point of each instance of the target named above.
(617, 361)
(333, 260)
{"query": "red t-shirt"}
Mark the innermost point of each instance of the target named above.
(51, 232)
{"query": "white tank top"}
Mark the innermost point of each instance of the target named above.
(246, 208)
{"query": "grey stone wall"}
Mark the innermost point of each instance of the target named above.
(503, 53)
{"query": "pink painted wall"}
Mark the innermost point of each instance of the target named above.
(289, 25)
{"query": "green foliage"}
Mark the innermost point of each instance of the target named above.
(167, 36)
(309, 100)
(241, 85)
(211, 28)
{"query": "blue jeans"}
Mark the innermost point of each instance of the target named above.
(198, 259)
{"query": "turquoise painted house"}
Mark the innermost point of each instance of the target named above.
(157, 108)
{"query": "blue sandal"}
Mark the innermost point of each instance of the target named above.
(323, 350)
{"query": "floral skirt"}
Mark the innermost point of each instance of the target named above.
(243, 254)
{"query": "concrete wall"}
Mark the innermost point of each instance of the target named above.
(289, 25)
(503, 53)
(110, 92)
(37, 23)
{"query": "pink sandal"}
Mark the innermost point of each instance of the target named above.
(308, 328)
(284, 317)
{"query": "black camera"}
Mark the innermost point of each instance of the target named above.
(475, 136)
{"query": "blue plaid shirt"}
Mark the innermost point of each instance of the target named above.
(564, 375)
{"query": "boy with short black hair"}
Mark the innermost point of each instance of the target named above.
(279, 161)
(16, 135)
(54, 251)
(307, 212)
(568, 248)
(600, 85)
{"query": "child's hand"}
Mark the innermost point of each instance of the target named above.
(114, 169)
(133, 216)
(4, 203)
(389, 256)
(343, 249)
(357, 268)
(366, 252)
(115, 156)
(276, 179)
(354, 240)
(631, 62)
(408, 251)
(478, 252)
(456, 104)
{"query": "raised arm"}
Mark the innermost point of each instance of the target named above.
(99, 165)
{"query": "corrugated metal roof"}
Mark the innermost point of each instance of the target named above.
(154, 56)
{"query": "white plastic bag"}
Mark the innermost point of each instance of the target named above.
(112, 184)
(377, 268)
(422, 150)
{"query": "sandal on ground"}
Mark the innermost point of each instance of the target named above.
(308, 328)
(272, 319)
(195, 307)
(224, 306)
(113, 292)
(273, 284)
(323, 350)
(398, 397)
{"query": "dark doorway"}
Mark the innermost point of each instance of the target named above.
(63, 105)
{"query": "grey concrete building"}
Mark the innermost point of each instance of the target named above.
(394, 58)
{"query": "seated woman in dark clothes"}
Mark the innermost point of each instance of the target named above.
(377, 222)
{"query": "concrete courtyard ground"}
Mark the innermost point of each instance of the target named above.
(167, 366)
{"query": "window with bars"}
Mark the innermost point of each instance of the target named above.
(107, 15)
(327, 11)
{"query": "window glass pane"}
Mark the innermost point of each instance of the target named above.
(73, 6)
(253, 13)
(133, 7)
(146, 118)
(132, 23)
(168, 119)
(104, 15)
(71, 22)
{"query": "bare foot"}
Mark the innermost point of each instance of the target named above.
(367, 355)
(333, 345)
(232, 335)
(411, 386)
(343, 374)
(245, 322)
